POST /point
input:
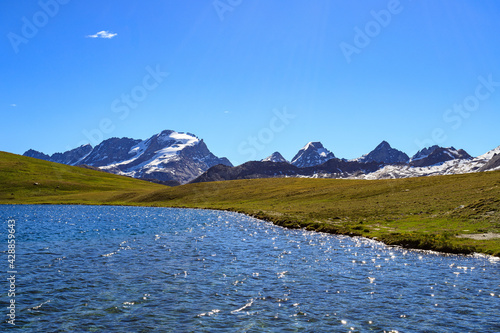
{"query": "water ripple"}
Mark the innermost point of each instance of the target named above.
(115, 269)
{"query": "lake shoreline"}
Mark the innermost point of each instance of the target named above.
(422, 213)
(396, 240)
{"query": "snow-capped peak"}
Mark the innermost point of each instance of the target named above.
(179, 137)
(317, 146)
(180, 141)
(275, 157)
(312, 154)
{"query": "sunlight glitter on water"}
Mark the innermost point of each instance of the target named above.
(205, 271)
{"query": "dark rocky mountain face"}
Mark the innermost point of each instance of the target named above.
(275, 157)
(70, 157)
(248, 170)
(424, 153)
(312, 154)
(384, 153)
(333, 168)
(339, 168)
(111, 151)
(436, 155)
(36, 154)
(493, 163)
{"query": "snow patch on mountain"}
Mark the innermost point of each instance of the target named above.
(453, 166)
(172, 142)
(181, 141)
(436, 155)
(490, 154)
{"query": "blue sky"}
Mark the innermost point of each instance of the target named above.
(251, 77)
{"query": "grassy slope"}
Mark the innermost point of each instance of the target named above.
(419, 212)
(60, 183)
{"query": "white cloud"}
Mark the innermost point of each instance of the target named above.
(103, 34)
(13, 105)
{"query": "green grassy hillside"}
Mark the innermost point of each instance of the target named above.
(29, 180)
(440, 213)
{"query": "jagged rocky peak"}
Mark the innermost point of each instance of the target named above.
(70, 157)
(73, 156)
(110, 151)
(275, 157)
(437, 155)
(384, 153)
(424, 153)
(312, 154)
(36, 154)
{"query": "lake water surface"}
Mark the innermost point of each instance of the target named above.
(130, 269)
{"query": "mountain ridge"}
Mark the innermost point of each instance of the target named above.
(456, 162)
(168, 156)
(434, 155)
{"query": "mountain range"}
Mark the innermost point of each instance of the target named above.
(169, 157)
(175, 158)
(381, 163)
